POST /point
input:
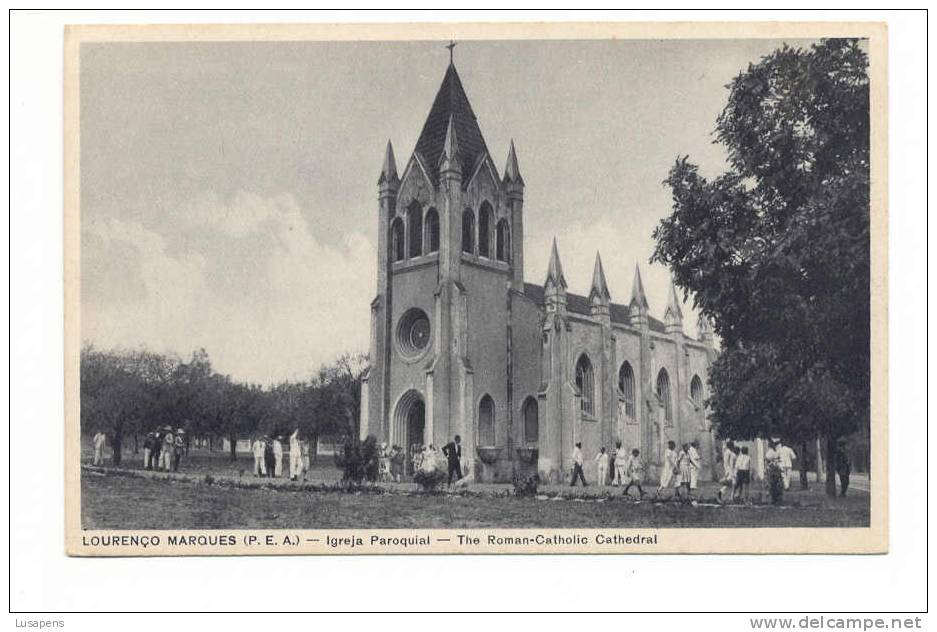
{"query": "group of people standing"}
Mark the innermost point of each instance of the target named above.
(163, 449)
(627, 468)
(268, 456)
(424, 458)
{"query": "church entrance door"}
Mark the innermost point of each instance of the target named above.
(416, 424)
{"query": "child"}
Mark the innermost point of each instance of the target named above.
(635, 473)
(743, 466)
(601, 460)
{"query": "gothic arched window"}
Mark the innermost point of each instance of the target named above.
(626, 388)
(468, 231)
(486, 422)
(484, 230)
(696, 391)
(415, 226)
(663, 392)
(503, 241)
(431, 223)
(396, 240)
(585, 382)
(531, 421)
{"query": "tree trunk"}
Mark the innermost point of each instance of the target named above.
(234, 446)
(136, 446)
(117, 448)
(831, 466)
(803, 466)
(210, 444)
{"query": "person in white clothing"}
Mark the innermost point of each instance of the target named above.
(668, 468)
(787, 457)
(694, 464)
(169, 446)
(621, 465)
(296, 456)
(601, 462)
(258, 449)
(98, 442)
(728, 465)
(278, 456)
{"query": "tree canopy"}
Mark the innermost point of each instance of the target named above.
(131, 392)
(776, 249)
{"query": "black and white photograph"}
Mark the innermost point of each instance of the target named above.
(475, 294)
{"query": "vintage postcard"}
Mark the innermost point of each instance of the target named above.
(476, 288)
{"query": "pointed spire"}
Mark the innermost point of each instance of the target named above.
(389, 170)
(705, 328)
(512, 173)
(449, 159)
(638, 297)
(673, 317)
(599, 286)
(638, 307)
(555, 270)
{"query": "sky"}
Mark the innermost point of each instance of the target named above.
(229, 196)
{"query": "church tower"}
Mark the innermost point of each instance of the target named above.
(450, 255)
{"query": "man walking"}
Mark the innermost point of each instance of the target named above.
(694, 463)
(787, 456)
(577, 466)
(728, 466)
(453, 452)
(668, 468)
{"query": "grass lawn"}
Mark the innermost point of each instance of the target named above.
(111, 501)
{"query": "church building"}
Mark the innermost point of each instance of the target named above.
(461, 344)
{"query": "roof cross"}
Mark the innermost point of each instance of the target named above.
(450, 46)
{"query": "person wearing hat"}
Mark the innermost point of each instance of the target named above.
(178, 449)
(167, 451)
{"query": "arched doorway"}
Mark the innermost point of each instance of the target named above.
(410, 425)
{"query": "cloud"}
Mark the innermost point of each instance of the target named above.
(247, 278)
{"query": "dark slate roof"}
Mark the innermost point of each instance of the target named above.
(451, 101)
(580, 305)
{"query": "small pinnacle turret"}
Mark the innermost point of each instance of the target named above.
(599, 296)
(389, 170)
(512, 173)
(555, 285)
(705, 328)
(449, 159)
(673, 316)
(638, 307)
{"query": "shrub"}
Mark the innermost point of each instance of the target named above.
(429, 481)
(358, 460)
(526, 486)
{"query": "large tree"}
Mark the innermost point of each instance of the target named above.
(776, 250)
